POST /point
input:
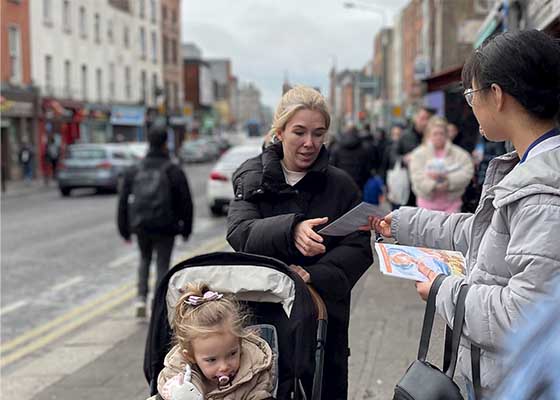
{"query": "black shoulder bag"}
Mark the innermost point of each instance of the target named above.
(423, 380)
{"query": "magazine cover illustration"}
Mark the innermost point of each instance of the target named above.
(403, 261)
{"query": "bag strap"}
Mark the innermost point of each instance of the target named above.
(458, 322)
(475, 366)
(429, 318)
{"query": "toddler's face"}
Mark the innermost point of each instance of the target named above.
(217, 354)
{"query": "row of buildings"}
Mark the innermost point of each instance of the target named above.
(419, 58)
(103, 71)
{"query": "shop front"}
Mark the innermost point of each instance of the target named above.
(96, 126)
(128, 123)
(18, 124)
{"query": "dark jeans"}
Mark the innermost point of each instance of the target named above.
(163, 245)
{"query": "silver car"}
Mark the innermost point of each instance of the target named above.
(99, 166)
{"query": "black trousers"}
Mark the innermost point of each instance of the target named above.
(163, 246)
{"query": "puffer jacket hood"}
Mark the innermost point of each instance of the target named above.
(539, 176)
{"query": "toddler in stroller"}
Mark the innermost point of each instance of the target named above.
(289, 316)
(227, 359)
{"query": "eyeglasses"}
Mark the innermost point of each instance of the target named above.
(469, 94)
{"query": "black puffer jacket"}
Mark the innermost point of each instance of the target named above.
(180, 197)
(262, 218)
(352, 155)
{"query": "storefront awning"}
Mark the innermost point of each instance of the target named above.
(444, 79)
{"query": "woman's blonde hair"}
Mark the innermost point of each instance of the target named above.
(195, 321)
(296, 99)
(434, 122)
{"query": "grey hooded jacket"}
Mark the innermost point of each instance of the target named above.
(512, 248)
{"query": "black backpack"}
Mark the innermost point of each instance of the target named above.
(150, 207)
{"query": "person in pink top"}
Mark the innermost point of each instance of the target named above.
(439, 170)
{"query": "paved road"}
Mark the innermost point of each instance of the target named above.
(63, 256)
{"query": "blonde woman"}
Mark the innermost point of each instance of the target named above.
(286, 194)
(439, 170)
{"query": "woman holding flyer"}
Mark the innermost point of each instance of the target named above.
(282, 197)
(439, 170)
(511, 242)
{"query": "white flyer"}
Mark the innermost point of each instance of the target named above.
(353, 219)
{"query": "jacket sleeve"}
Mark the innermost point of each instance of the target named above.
(171, 368)
(420, 227)
(460, 178)
(338, 270)
(183, 202)
(122, 209)
(263, 387)
(249, 232)
(422, 184)
(336, 273)
(493, 311)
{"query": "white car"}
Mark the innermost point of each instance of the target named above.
(219, 190)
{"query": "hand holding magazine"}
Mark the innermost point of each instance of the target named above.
(403, 261)
(353, 219)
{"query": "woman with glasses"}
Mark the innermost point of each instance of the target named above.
(511, 243)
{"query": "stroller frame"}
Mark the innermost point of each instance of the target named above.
(159, 334)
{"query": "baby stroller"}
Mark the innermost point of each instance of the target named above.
(275, 296)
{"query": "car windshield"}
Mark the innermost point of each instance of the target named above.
(85, 154)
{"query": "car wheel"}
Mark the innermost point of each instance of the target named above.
(217, 211)
(65, 192)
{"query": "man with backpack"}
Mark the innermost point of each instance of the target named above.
(155, 204)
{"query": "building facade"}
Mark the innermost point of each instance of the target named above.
(97, 65)
(19, 99)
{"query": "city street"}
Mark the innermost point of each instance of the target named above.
(68, 329)
(62, 259)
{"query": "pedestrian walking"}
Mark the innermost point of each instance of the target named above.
(352, 155)
(154, 204)
(410, 140)
(25, 157)
(439, 170)
(510, 246)
(225, 359)
(52, 156)
(281, 198)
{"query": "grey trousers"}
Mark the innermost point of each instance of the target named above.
(163, 246)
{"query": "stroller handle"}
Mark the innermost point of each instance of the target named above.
(319, 304)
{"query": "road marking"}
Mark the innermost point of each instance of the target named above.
(12, 307)
(63, 329)
(52, 330)
(68, 283)
(122, 260)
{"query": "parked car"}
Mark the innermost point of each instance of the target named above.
(219, 190)
(195, 151)
(99, 166)
(138, 149)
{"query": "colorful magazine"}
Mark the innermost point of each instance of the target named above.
(403, 261)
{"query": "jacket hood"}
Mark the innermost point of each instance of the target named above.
(350, 141)
(538, 175)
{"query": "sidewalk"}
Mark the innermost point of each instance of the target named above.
(385, 326)
(24, 188)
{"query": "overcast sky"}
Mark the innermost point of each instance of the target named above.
(267, 40)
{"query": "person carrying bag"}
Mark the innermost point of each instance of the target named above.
(423, 380)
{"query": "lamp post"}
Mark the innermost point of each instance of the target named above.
(367, 7)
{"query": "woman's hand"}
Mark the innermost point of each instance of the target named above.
(423, 288)
(307, 241)
(301, 272)
(379, 225)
